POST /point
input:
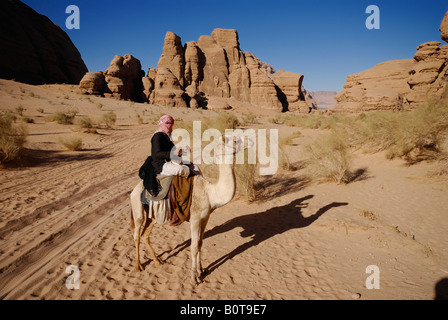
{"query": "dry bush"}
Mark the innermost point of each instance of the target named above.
(109, 119)
(329, 159)
(411, 135)
(62, 117)
(86, 124)
(12, 139)
(72, 143)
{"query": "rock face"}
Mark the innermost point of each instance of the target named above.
(35, 50)
(214, 69)
(399, 84)
(379, 88)
(211, 73)
(444, 28)
(123, 79)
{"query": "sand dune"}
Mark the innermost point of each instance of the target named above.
(299, 240)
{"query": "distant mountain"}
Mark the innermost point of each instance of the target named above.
(324, 99)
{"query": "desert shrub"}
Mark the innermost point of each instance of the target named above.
(412, 135)
(109, 119)
(86, 124)
(72, 143)
(20, 110)
(249, 118)
(284, 161)
(61, 117)
(12, 139)
(329, 158)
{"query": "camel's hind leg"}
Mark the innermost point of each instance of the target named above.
(148, 243)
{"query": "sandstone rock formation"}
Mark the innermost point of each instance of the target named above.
(379, 88)
(214, 69)
(444, 28)
(123, 79)
(34, 50)
(399, 84)
(202, 74)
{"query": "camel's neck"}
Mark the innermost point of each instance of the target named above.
(223, 191)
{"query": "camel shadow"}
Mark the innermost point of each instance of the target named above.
(264, 225)
(260, 227)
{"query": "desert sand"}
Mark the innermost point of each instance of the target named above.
(297, 240)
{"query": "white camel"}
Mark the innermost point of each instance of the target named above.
(206, 198)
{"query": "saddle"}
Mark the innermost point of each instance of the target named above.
(177, 191)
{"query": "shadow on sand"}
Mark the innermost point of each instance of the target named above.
(262, 226)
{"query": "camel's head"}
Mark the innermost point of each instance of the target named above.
(227, 148)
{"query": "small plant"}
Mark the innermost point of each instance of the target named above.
(87, 124)
(73, 143)
(12, 139)
(20, 110)
(329, 159)
(63, 117)
(109, 119)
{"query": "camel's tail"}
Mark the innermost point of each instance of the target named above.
(132, 221)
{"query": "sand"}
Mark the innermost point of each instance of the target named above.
(297, 240)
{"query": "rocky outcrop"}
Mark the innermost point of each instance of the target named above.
(444, 28)
(399, 84)
(263, 91)
(93, 83)
(167, 90)
(215, 69)
(123, 79)
(379, 88)
(203, 74)
(173, 57)
(34, 50)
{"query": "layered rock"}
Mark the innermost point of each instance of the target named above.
(204, 74)
(167, 90)
(430, 66)
(93, 83)
(291, 94)
(379, 88)
(399, 84)
(173, 56)
(34, 49)
(263, 91)
(123, 79)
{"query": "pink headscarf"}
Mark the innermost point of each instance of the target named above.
(165, 123)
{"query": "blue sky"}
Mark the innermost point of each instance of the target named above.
(325, 40)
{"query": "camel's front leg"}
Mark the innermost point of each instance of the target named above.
(196, 242)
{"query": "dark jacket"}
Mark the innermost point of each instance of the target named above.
(148, 175)
(161, 146)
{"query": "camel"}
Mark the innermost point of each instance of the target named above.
(206, 198)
